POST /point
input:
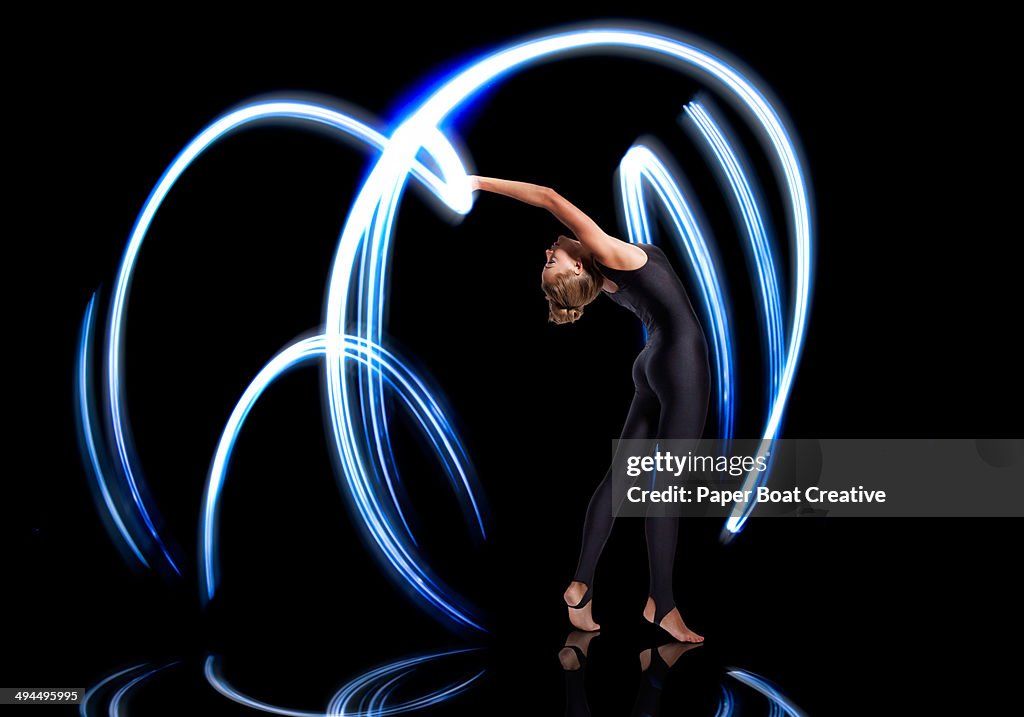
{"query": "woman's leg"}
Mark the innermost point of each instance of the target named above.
(682, 381)
(643, 416)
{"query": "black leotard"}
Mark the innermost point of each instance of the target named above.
(672, 378)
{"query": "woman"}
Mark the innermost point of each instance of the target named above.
(671, 376)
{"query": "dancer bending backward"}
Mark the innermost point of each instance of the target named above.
(671, 376)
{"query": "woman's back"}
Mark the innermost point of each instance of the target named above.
(656, 295)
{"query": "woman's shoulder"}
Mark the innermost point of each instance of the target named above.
(651, 250)
(655, 255)
(645, 248)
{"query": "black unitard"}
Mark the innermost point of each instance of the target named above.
(672, 378)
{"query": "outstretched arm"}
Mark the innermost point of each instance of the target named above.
(607, 249)
(533, 194)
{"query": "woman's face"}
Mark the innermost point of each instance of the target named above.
(563, 255)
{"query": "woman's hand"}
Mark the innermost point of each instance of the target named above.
(474, 182)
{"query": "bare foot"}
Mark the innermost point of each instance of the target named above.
(582, 617)
(669, 653)
(672, 623)
(579, 639)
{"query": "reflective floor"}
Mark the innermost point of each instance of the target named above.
(587, 676)
(924, 621)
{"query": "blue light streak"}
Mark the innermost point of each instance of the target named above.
(403, 558)
(277, 109)
(445, 157)
(737, 176)
(640, 163)
(87, 431)
(364, 455)
(386, 179)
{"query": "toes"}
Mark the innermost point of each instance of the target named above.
(567, 656)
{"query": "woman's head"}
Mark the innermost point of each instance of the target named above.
(570, 280)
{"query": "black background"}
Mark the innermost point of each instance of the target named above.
(914, 300)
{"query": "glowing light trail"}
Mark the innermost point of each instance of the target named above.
(361, 262)
(641, 163)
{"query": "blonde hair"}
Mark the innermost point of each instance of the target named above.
(568, 293)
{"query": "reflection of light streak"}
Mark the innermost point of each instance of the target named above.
(341, 702)
(640, 163)
(115, 709)
(372, 688)
(726, 703)
(768, 690)
(83, 708)
(429, 416)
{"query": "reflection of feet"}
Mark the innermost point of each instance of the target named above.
(669, 653)
(580, 617)
(672, 623)
(576, 644)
